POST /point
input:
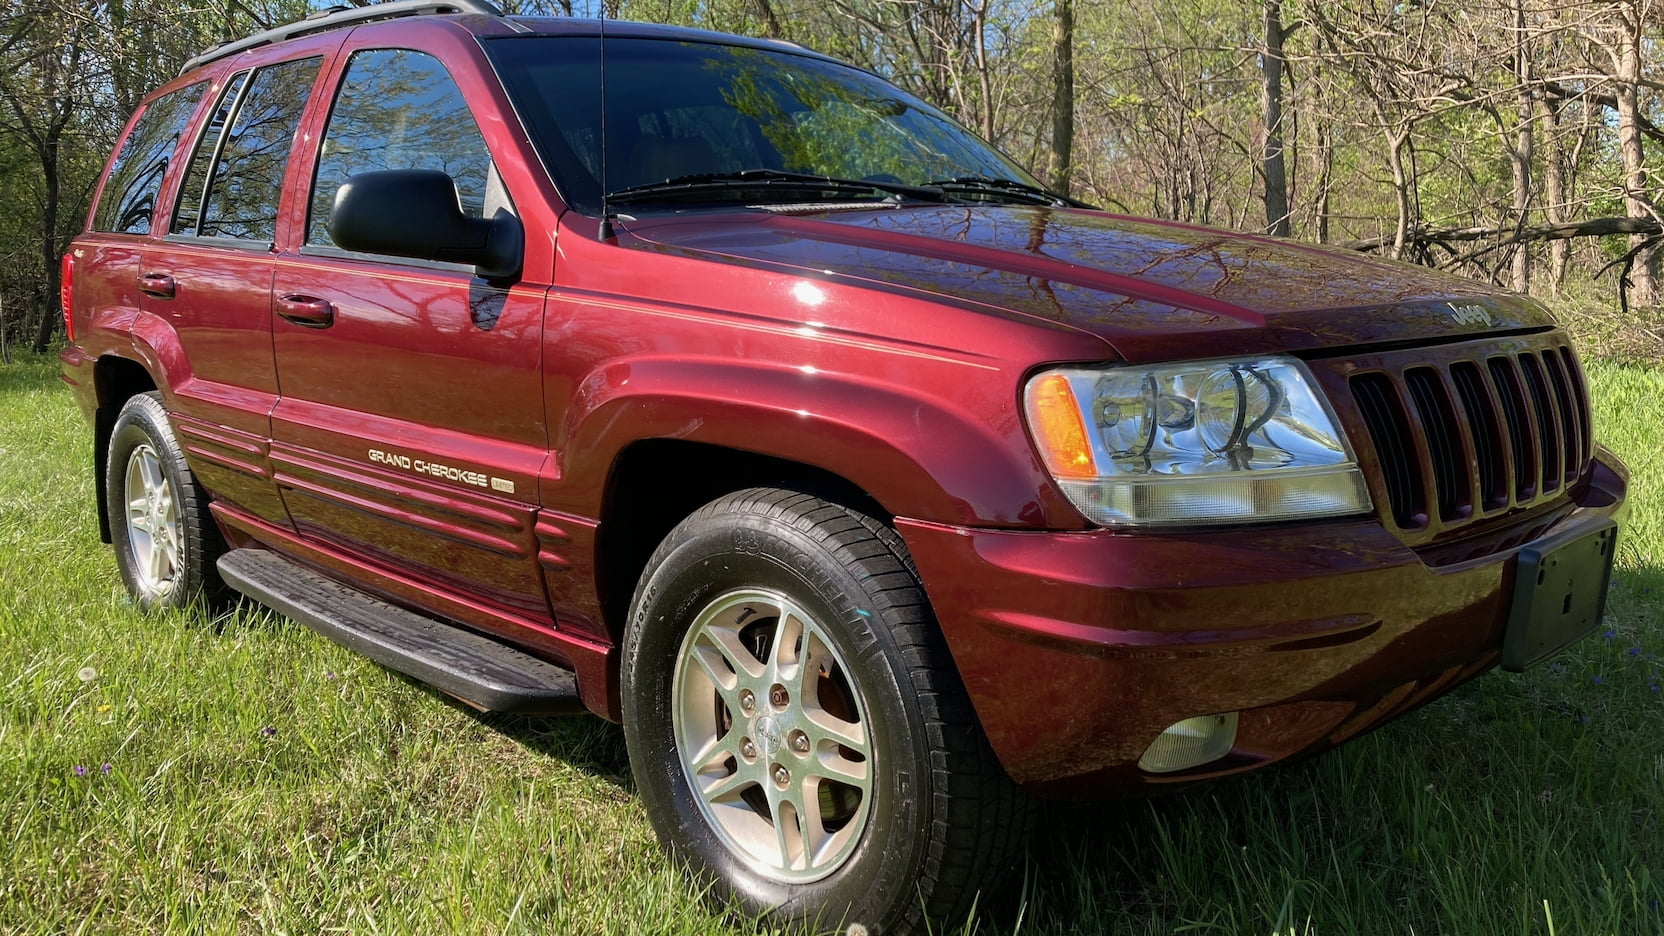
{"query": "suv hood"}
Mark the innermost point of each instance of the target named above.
(1152, 289)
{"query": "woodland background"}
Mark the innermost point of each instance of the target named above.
(1518, 141)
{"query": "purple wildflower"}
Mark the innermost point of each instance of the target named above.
(1610, 634)
(1634, 651)
(268, 731)
(80, 771)
(1599, 681)
(105, 767)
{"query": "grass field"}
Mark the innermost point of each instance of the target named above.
(172, 774)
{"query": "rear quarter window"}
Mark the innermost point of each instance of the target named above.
(129, 199)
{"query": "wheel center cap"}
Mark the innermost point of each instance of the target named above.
(767, 732)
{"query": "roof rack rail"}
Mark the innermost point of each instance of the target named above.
(335, 17)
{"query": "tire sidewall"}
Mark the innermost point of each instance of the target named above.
(143, 421)
(711, 557)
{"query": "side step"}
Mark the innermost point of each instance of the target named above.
(476, 669)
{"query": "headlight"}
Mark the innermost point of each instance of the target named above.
(1229, 441)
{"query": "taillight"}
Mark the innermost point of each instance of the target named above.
(66, 283)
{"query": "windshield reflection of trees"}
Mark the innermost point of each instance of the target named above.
(685, 108)
(827, 120)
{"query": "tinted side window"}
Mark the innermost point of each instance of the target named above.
(398, 109)
(243, 188)
(189, 207)
(130, 194)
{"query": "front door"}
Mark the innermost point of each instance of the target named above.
(410, 432)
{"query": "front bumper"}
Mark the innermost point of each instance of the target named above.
(1078, 649)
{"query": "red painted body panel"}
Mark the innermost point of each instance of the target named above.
(1079, 648)
(919, 410)
(887, 347)
(1154, 290)
(222, 390)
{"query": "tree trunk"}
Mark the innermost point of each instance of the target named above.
(1644, 273)
(1063, 96)
(1325, 176)
(1554, 192)
(1274, 167)
(1397, 138)
(771, 20)
(49, 246)
(984, 80)
(1520, 154)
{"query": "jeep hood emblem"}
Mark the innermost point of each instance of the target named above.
(1470, 314)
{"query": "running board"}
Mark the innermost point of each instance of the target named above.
(476, 669)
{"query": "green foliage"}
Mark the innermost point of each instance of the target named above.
(1168, 113)
(263, 780)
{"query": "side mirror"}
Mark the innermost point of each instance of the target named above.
(416, 213)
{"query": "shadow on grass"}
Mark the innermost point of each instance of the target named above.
(586, 742)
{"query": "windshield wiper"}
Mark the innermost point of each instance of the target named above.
(1032, 194)
(777, 181)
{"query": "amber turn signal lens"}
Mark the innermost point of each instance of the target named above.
(1055, 417)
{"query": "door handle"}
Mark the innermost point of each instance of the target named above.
(306, 310)
(159, 285)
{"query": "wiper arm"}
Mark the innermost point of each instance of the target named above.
(1031, 193)
(709, 182)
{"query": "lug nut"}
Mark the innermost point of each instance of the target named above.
(778, 697)
(748, 750)
(747, 700)
(782, 776)
(800, 742)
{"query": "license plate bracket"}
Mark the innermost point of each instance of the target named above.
(1560, 584)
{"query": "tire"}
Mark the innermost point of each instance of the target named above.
(898, 812)
(166, 541)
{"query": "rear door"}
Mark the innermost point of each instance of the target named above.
(209, 281)
(410, 431)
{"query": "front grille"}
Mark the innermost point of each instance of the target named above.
(1458, 439)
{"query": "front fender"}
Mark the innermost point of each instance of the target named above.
(917, 452)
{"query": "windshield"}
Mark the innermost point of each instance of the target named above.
(678, 109)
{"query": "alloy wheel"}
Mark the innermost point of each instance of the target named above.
(773, 735)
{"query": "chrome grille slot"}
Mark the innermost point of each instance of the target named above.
(1520, 442)
(1461, 434)
(1444, 442)
(1488, 446)
(1548, 427)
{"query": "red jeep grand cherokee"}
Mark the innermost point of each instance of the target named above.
(756, 404)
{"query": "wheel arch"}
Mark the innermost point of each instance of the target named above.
(115, 381)
(649, 441)
(639, 510)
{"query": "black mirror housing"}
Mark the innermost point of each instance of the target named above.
(416, 213)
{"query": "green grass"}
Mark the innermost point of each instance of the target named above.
(263, 780)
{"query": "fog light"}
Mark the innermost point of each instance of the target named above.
(1191, 743)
